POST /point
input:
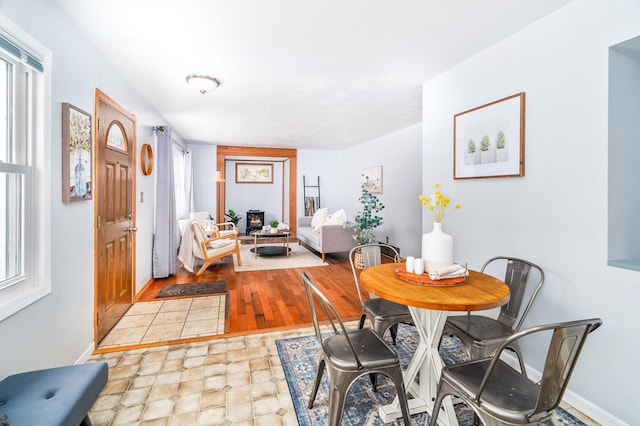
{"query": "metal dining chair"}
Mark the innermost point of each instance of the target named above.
(383, 314)
(501, 395)
(348, 355)
(481, 334)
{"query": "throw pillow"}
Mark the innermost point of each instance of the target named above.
(220, 243)
(318, 217)
(338, 218)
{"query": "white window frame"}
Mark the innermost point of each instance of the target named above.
(35, 281)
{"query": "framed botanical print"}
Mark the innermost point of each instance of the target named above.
(488, 140)
(254, 173)
(77, 154)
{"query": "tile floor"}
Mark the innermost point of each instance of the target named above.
(171, 319)
(223, 381)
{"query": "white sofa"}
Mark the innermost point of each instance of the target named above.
(330, 239)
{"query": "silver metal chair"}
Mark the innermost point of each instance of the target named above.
(499, 394)
(480, 334)
(348, 355)
(383, 314)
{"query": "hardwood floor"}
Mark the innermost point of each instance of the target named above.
(259, 300)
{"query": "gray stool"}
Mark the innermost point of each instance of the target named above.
(56, 396)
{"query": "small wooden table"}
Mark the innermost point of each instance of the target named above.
(429, 307)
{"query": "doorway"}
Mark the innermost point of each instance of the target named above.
(114, 213)
(237, 151)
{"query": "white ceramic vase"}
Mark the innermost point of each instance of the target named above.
(437, 249)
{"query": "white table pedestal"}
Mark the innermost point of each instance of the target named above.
(426, 363)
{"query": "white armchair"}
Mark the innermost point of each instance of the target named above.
(213, 246)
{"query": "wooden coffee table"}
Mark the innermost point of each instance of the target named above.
(270, 250)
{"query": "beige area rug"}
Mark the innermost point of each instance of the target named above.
(299, 257)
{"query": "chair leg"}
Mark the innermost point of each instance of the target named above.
(363, 317)
(402, 395)
(438, 403)
(374, 381)
(338, 387)
(204, 267)
(316, 383)
(394, 332)
(516, 349)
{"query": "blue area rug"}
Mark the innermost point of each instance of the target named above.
(299, 357)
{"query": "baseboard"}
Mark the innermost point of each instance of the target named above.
(86, 354)
(144, 288)
(579, 403)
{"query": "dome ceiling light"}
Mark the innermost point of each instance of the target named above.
(203, 83)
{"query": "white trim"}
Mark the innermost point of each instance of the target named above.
(39, 222)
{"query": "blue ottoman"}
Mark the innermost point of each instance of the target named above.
(56, 396)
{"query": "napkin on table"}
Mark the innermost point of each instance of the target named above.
(452, 271)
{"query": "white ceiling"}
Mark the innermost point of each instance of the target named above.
(322, 74)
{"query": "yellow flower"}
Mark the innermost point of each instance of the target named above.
(437, 203)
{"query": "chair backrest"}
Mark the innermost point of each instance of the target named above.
(372, 255)
(199, 217)
(316, 299)
(565, 346)
(200, 237)
(517, 278)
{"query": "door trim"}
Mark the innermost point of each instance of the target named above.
(291, 154)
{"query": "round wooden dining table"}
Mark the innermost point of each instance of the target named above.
(429, 306)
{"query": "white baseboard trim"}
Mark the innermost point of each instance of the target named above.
(86, 354)
(579, 403)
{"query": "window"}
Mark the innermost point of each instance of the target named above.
(24, 217)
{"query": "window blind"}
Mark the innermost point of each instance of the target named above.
(20, 53)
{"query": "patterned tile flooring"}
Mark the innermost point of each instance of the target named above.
(224, 381)
(171, 319)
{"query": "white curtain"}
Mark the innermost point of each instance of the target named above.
(166, 236)
(183, 173)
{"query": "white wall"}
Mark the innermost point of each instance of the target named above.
(205, 191)
(328, 166)
(556, 215)
(399, 154)
(58, 329)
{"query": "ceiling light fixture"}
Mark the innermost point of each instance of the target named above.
(203, 83)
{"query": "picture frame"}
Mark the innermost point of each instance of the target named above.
(254, 173)
(77, 154)
(488, 141)
(372, 179)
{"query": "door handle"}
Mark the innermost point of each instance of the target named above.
(132, 228)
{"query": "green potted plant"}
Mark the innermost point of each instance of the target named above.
(366, 219)
(274, 225)
(470, 157)
(501, 144)
(485, 142)
(233, 217)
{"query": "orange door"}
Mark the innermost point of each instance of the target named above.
(115, 213)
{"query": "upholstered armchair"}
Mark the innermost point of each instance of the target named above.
(215, 245)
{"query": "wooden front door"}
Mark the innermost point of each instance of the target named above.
(115, 213)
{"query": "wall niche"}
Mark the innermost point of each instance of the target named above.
(624, 155)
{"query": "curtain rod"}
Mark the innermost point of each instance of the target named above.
(160, 129)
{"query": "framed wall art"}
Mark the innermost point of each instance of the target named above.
(372, 179)
(254, 173)
(77, 154)
(488, 141)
